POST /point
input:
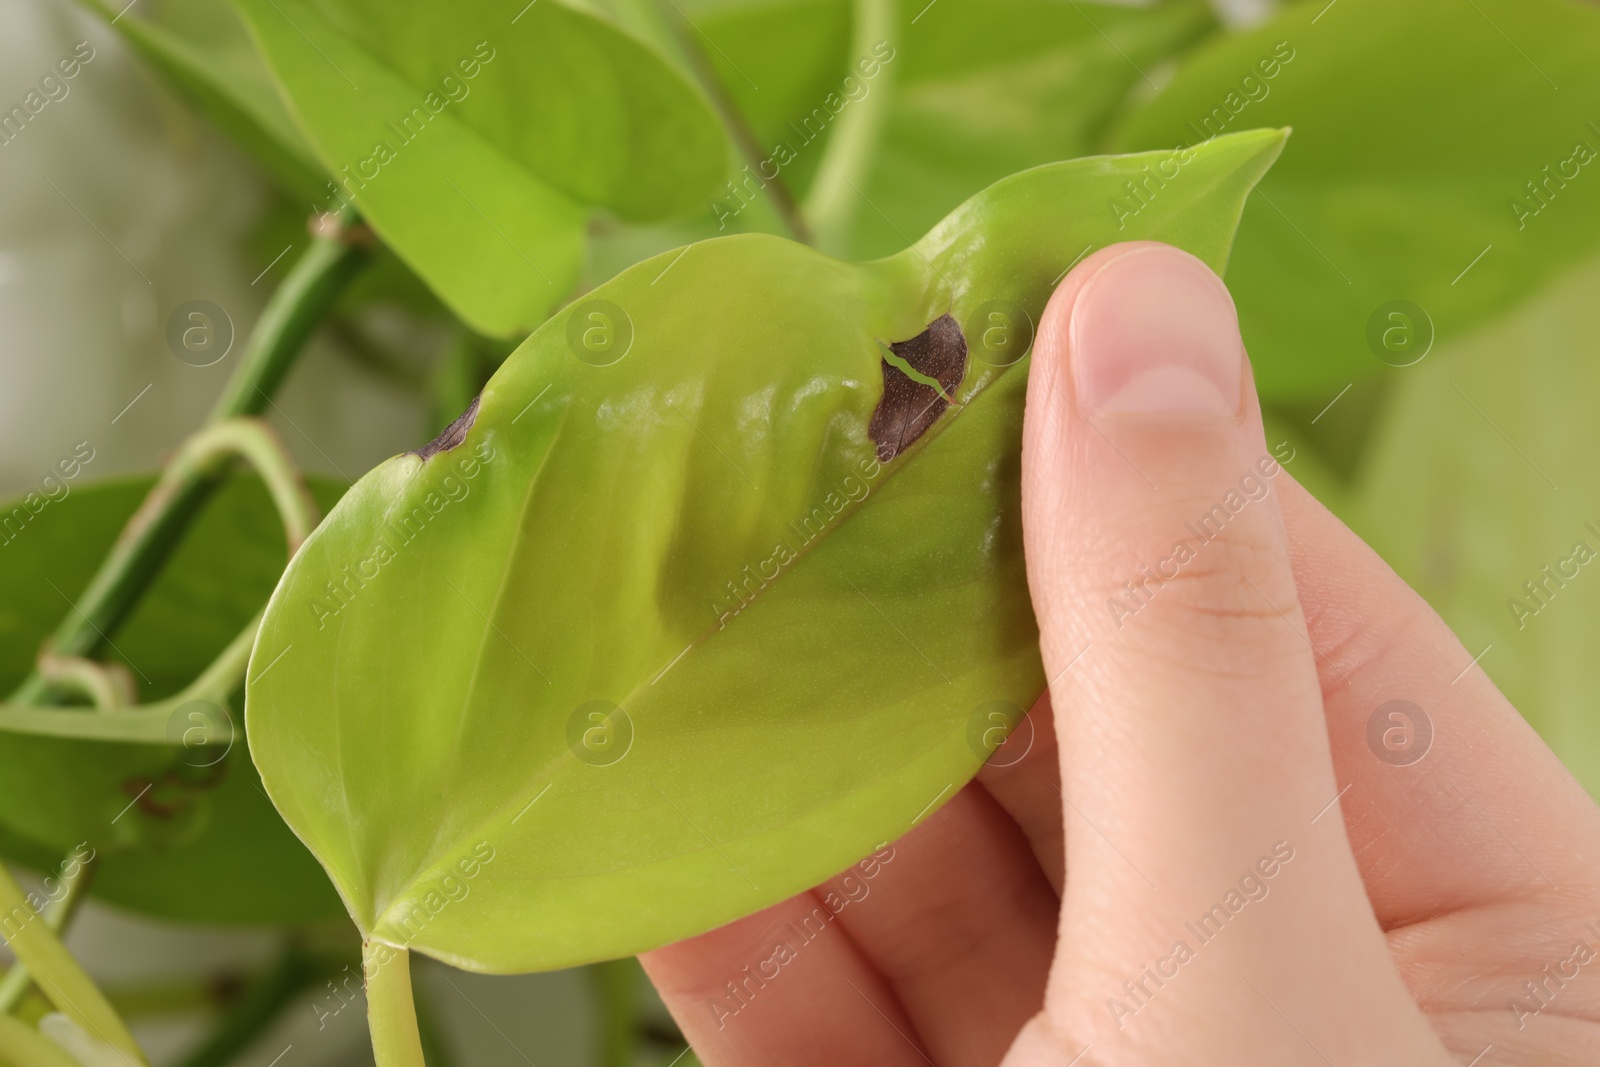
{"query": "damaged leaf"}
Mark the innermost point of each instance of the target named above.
(917, 386)
(702, 607)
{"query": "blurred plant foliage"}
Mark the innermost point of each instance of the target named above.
(1412, 279)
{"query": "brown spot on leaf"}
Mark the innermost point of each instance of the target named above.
(453, 434)
(908, 406)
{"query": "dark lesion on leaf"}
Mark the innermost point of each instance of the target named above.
(909, 406)
(453, 434)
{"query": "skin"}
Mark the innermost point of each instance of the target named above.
(1434, 910)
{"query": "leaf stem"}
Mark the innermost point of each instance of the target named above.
(225, 673)
(146, 724)
(58, 916)
(23, 1046)
(391, 1013)
(836, 194)
(106, 685)
(311, 288)
(737, 126)
(211, 451)
(59, 976)
(336, 256)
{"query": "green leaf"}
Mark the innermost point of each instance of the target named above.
(674, 499)
(976, 90)
(473, 138)
(778, 61)
(203, 843)
(206, 54)
(1386, 194)
(243, 866)
(1461, 498)
(985, 88)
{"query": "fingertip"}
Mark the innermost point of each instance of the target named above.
(1142, 328)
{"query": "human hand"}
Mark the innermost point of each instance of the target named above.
(1257, 874)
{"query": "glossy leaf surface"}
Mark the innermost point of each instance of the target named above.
(473, 138)
(684, 621)
(204, 843)
(1410, 174)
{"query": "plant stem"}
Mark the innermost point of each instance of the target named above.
(311, 288)
(225, 673)
(57, 974)
(391, 1013)
(615, 984)
(835, 194)
(23, 1046)
(264, 1000)
(58, 916)
(733, 120)
(106, 685)
(146, 724)
(211, 451)
(313, 284)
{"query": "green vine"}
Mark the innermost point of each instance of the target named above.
(200, 465)
(58, 916)
(58, 976)
(207, 454)
(294, 311)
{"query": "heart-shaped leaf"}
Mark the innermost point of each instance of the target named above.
(474, 136)
(708, 595)
(202, 843)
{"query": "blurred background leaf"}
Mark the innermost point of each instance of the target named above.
(985, 88)
(203, 51)
(978, 89)
(1416, 130)
(1481, 474)
(221, 854)
(473, 140)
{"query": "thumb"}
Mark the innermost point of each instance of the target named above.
(1195, 756)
